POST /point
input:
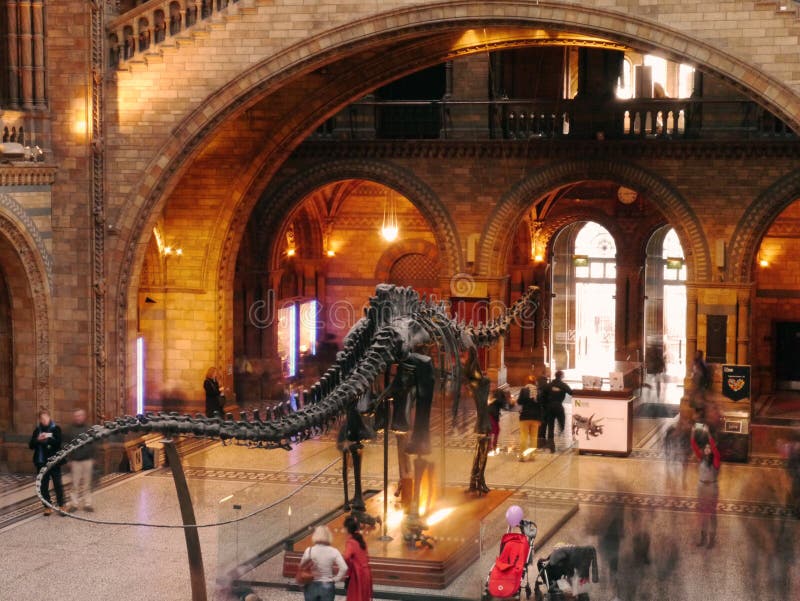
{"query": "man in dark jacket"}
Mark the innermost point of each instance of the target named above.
(45, 442)
(81, 465)
(557, 390)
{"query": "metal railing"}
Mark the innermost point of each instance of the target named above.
(662, 118)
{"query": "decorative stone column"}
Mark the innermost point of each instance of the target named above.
(39, 94)
(26, 53)
(13, 59)
(743, 325)
(691, 330)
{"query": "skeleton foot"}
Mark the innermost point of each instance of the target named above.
(365, 519)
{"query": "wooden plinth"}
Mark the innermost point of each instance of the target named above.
(455, 542)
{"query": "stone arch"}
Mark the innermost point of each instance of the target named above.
(755, 222)
(554, 226)
(285, 197)
(513, 206)
(396, 251)
(26, 278)
(370, 33)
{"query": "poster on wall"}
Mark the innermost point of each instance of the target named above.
(736, 382)
(602, 425)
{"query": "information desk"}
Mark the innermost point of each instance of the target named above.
(602, 421)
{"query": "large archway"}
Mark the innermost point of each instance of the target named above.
(26, 355)
(301, 282)
(271, 80)
(495, 246)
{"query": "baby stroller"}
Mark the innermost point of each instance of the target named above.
(509, 575)
(571, 563)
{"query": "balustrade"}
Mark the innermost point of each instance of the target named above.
(531, 119)
(146, 26)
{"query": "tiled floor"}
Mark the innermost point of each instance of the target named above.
(281, 492)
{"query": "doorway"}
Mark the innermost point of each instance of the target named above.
(787, 349)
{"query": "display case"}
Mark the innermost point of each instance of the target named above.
(602, 421)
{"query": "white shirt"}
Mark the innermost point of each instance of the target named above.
(324, 556)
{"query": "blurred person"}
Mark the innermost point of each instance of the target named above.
(213, 392)
(323, 557)
(791, 453)
(81, 465)
(359, 574)
(45, 442)
(610, 539)
(656, 366)
(701, 380)
(530, 420)
(707, 484)
(556, 391)
(497, 403)
(677, 451)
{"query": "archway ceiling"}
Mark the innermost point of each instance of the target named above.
(327, 89)
(250, 146)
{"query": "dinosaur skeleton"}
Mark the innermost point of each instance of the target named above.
(398, 328)
(590, 426)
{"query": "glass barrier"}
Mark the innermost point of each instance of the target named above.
(449, 558)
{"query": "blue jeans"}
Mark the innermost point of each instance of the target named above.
(319, 591)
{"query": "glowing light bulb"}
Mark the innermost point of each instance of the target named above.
(389, 232)
(290, 252)
(331, 253)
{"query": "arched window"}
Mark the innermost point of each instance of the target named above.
(665, 313)
(584, 306)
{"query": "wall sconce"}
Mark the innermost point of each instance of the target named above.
(173, 251)
(291, 245)
(331, 252)
(538, 259)
(763, 263)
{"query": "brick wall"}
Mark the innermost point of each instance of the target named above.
(202, 127)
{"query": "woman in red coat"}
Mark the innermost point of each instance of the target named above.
(359, 574)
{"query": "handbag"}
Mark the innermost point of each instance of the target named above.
(305, 571)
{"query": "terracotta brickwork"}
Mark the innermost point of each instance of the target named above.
(195, 134)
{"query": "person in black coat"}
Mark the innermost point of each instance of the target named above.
(213, 393)
(45, 442)
(556, 391)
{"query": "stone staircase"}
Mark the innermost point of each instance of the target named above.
(143, 36)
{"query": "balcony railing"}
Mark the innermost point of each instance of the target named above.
(662, 118)
(145, 27)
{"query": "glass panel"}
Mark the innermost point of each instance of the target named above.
(597, 270)
(308, 328)
(595, 310)
(611, 271)
(685, 81)
(287, 339)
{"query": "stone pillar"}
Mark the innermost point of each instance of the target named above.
(628, 313)
(468, 120)
(26, 53)
(13, 55)
(39, 94)
(691, 330)
(743, 296)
